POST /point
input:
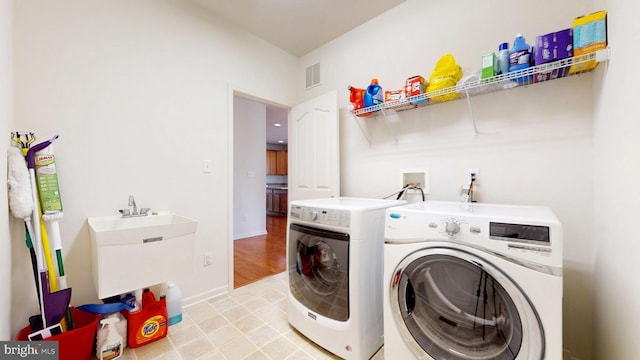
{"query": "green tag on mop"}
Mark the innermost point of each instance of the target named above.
(47, 179)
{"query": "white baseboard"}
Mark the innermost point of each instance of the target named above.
(242, 236)
(196, 299)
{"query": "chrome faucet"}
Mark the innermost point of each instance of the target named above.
(129, 213)
(132, 202)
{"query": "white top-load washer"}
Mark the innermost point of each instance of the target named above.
(472, 281)
(334, 267)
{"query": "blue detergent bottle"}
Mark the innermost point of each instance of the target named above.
(519, 56)
(374, 94)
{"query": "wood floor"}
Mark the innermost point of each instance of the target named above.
(257, 257)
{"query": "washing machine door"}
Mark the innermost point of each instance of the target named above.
(451, 304)
(319, 270)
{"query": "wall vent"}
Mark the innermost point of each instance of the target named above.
(313, 76)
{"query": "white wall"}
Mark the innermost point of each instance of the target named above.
(617, 170)
(249, 168)
(7, 242)
(133, 97)
(139, 93)
(535, 144)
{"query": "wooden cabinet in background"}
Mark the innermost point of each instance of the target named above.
(271, 162)
(277, 162)
(281, 162)
(277, 201)
(280, 201)
(269, 200)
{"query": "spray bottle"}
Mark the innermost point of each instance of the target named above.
(108, 342)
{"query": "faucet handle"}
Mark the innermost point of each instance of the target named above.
(144, 211)
(125, 212)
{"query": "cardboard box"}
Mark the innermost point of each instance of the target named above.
(589, 35)
(550, 75)
(394, 95)
(415, 85)
(554, 46)
(488, 66)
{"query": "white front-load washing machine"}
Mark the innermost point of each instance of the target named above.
(472, 281)
(334, 267)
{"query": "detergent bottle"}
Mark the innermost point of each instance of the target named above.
(374, 94)
(108, 342)
(148, 324)
(174, 303)
(519, 56)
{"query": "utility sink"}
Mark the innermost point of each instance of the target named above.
(115, 230)
(138, 252)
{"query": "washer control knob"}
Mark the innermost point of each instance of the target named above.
(314, 215)
(452, 228)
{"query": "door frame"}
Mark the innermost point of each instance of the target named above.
(231, 92)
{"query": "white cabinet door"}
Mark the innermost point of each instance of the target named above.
(314, 153)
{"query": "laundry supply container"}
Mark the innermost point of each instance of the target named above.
(76, 343)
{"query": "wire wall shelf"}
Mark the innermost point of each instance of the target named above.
(472, 86)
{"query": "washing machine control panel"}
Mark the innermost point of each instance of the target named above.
(456, 228)
(473, 230)
(527, 233)
(331, 217)
(433, 226)
(452, 227)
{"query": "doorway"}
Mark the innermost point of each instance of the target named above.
(259, 238)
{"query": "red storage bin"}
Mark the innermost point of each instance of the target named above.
(74, 344)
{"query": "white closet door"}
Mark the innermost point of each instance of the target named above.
(314, 149)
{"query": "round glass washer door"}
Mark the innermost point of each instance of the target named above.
(319, 270)
(451, 304)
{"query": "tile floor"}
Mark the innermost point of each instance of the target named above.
(248, 323)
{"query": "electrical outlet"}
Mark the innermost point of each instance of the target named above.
(418, 177)
(208, 258)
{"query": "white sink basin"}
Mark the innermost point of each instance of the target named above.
(116, 230)
(139, 252)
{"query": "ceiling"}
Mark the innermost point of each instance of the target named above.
(298, 26)
(275, 134)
